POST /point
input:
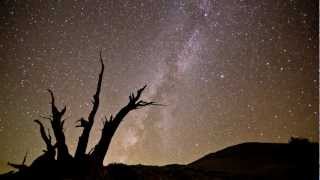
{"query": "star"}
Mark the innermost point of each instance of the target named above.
(227, 72)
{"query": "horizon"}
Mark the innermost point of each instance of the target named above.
(228, 72)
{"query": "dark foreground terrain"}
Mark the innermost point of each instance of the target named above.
(244, 161)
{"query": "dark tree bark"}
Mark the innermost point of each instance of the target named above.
(111, 125)
(87, 124)
(57, 126)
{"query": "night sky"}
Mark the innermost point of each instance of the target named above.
(228, 71)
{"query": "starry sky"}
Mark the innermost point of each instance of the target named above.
(228, 72)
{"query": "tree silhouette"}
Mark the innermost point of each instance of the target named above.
(58, 153)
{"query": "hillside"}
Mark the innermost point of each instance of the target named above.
(243, 161)
(263, 160)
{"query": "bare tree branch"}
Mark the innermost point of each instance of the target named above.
(57, 126)
(87, 124)
(111, 125)
(46, 138)
(83, 123)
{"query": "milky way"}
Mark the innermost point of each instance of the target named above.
(227, 72)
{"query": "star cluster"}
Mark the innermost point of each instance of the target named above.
(228, 71)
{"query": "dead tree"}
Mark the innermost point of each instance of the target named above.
(93, 160)
(111, 125)
(87, 124)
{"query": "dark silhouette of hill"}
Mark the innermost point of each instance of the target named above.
(243, 161)
(284, 161)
